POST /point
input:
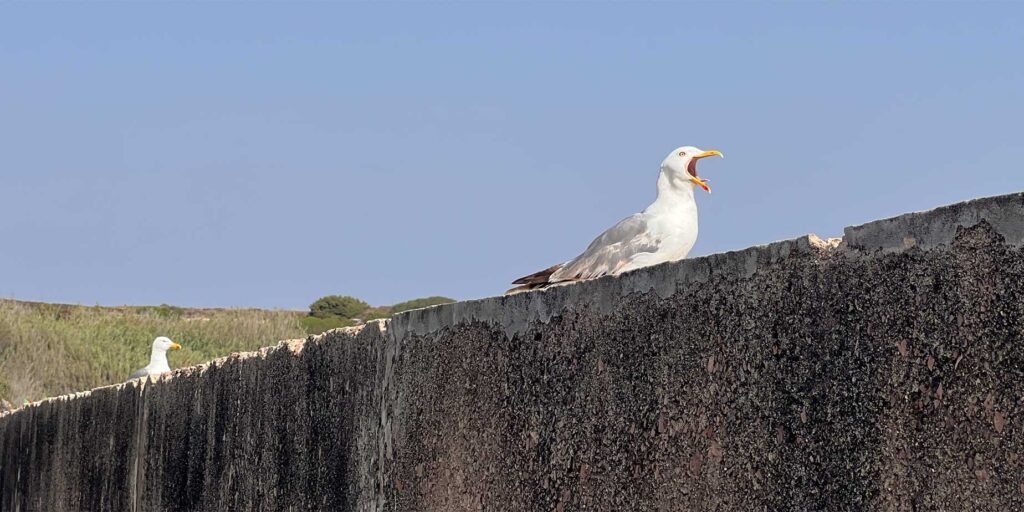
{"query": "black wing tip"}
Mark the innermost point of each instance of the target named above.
(525, 280)
(537, 278)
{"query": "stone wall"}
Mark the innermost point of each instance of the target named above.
(882, 372)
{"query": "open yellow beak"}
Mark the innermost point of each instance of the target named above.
(175, 346)
(701, 182)
(713, 152)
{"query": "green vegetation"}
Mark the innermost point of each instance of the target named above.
(163, 310)
(52, 349)
(335, 311)
(331, 312)
(315, 325)
(420, 303)
(376, 312)
(341, 306)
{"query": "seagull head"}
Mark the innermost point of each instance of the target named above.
(163, 344)
(681, 164)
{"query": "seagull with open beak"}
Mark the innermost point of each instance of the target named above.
(665, 231)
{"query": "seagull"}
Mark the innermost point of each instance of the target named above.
(665, 231)
(157, 358)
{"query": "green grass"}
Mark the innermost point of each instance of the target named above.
(335, 311)
(51, 349)
(317, 325)
(420, 303)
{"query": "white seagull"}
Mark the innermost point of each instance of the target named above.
(665, 231)
(157, 358)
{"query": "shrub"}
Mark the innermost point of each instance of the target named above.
(342, 306)
(163, 310)
(317, 325)
(375, 312)
(420, 303)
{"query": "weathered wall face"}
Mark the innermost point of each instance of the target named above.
(273, 430)
(882, 373)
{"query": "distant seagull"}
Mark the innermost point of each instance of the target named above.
(157, 358)
(665, 231)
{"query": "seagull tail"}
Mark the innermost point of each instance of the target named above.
(535, 280)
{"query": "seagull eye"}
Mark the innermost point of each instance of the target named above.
(682, 153)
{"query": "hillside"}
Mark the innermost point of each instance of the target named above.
(52, 349)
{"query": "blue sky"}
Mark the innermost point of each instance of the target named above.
(237, 154)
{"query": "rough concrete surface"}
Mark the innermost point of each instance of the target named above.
(880, 373)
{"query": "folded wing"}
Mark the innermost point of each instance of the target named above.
(606, 254)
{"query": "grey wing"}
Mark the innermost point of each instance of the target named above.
(141, 372)
(611, 250)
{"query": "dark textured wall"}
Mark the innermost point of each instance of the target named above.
(272, 430)
(883, 372)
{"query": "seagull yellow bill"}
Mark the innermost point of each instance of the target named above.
(702, 183)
